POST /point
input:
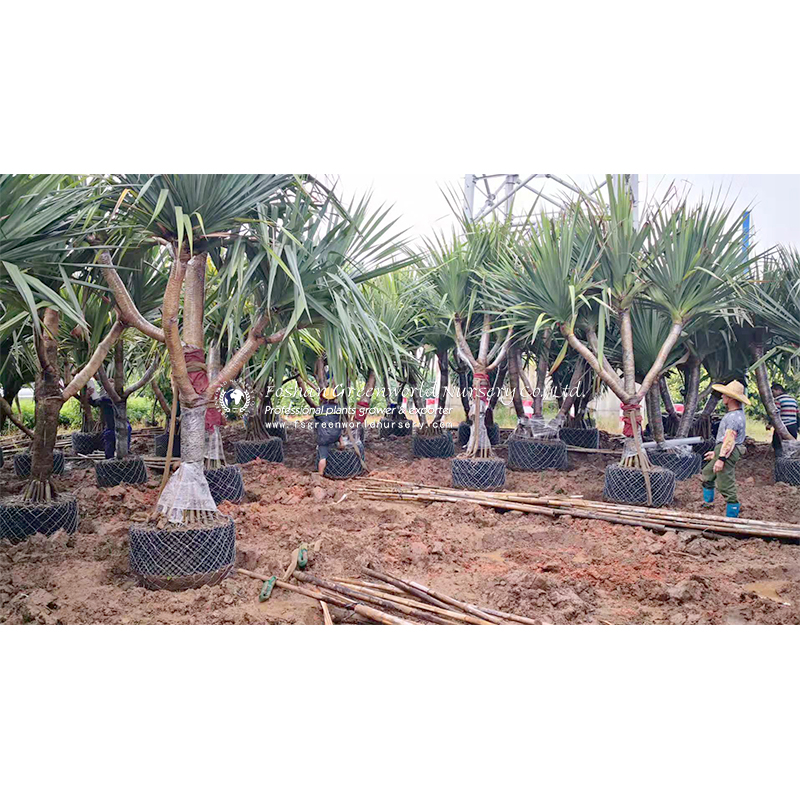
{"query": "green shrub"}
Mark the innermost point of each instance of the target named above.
(69, 418)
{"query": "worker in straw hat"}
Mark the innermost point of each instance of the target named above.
(721, 468)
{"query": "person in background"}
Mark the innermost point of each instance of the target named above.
(721, 468)
(103, 402)
(328, 424)
(787, 406)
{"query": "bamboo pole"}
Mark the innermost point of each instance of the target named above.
(408, 601)
(433, 594)
(384, 605)
(363, 611)
(326, 614)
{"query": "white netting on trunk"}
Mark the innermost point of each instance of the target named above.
(214, 444)
(187, 489)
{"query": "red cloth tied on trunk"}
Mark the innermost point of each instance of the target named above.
(480, 386)
(627, 428)
(361, 410)
(196, 365)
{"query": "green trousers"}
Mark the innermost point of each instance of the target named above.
(725, 481)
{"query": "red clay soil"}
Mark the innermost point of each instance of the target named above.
(565, 571)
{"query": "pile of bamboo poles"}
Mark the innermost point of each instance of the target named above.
(390, 600)
(656, 519)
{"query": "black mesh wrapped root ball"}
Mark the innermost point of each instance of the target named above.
(478, 473)
(85, 443)
(626, 485)
(580, 437)
(403, 427)
(532, 455)
(787, 470)
(161, 443)
(114, 471)
(20, 519)
(342, 464)
(22, 463)
(440, 446)
(178, 557)
(267, 450)
(683, 466)
(465, 429)
(225, 483)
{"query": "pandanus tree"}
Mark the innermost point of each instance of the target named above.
(42, 220)
(682, 261)
(772, 298)
(456, 266)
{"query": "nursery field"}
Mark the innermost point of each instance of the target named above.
(566, 571)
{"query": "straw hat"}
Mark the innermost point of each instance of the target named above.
(733, 389)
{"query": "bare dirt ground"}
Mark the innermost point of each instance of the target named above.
(567, 571)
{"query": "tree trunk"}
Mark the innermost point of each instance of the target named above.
(542, 368)
(690, 400)
(48, 406)
(444, 385)
(654, 413)
(87, 421)
(765, 392)
(569, 398)
(669, 406)
(463, 391)
(121, 427)
(514, 381)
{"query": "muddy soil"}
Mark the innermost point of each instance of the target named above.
(568, 571)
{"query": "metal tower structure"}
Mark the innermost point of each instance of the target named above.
(497, 191)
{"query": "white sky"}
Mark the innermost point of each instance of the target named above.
(419, 200)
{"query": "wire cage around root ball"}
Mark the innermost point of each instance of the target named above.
(179, 557)
(440, 446)
(20, 519)
(537, 455)
(478, 473)
(684, 467)
(225, 483)
(161, 443)
(83, 444)
(342, 464)
(114, 471)
(22, 464)
(627, 485)
(787, 470)
(465, 429)
(580, 437)
(706, 446)
(267, 450)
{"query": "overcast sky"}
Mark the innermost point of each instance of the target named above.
(422, 206)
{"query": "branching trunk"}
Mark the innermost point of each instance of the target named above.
(765, 392)
(6, 412)
(692, 372)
